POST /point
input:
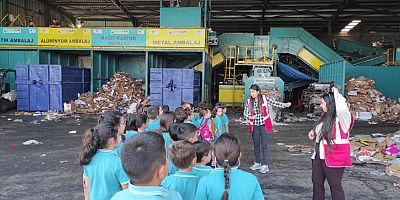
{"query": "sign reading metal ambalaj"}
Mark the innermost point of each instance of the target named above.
(176, 38)
(107, 37)
(65, 37)
(18, 36)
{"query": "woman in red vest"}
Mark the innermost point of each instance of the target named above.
(257, 114)
(332, 149)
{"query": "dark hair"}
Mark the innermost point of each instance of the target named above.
(139, 120)
(214, 112)
(227, 153)
(328, 119)
(182, 154)
(95, 139)
(183, 103)
(182, 131)
(202, 104)
(222, 105)
(166, 119)
(182, 115)
(165, 108)
(142, 155)
(112, 117)
(153, 112)
(259, 99)
(202, 149)
(130, 122)
(204, 111)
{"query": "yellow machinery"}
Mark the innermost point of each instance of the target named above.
(231, 93)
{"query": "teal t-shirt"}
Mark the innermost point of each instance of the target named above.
(217, 123)
(129, 134)
(153, 125)
(224, 121)
(183, 182)
(167, 139)
(242, 186)
(201, 170)
(146, 193)
(195, 120)
(105, 174)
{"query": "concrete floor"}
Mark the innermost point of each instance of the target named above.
(36, 171)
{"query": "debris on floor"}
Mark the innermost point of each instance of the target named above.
(18, 120)
(119, 93)
(298, 148)
(72, 132)
(32, 142)
(367, 103)
(378, 149)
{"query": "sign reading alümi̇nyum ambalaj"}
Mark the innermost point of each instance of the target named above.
(176, 38)
(111, 37)
(65, 37)
(18, 36)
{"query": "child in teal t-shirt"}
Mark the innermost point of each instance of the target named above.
(203, 156)
(103, 175)
(242, 185)
(134, 124)
(152, 115)
(145, 161)
(184, 181)
(216, 122)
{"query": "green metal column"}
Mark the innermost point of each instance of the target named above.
(203, 73)
(91, 73)
(205, 13)
(147, 68)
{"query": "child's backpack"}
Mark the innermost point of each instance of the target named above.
(205, 133)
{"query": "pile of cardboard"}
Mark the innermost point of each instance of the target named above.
(119, 93)
(368, 103)
(379, 149)
(272, 92)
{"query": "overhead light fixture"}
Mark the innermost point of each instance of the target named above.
(345, 30)
(351, 25)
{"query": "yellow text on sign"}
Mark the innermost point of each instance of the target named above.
(65, 37)
(176, 38)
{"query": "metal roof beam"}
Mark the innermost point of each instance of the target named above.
(126, 11)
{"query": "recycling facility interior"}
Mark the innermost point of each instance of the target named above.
(106, 55)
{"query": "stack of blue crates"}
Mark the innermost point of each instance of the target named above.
(47, 87)
(171, 86)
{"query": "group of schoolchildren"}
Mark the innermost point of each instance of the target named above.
(182, 155)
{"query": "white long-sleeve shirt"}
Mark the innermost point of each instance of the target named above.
(343, 116)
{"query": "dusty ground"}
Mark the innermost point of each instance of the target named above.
(48, 171)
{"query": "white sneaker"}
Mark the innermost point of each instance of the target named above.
(255, 166)
(264, 169)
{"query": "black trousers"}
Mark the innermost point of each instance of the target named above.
(320, 173)
(260, 139)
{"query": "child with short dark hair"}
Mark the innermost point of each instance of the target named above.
(135, 124)
(182, 115)
(183, 131)
(227, 181)
(203, 154)
(184, 181)
(166, 119)
(179, 132)
(224, 118)
(144, 159)
(152, 114)
(103, 175)
(164, 108)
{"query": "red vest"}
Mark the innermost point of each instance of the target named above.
(267, 119)
(339, 153)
